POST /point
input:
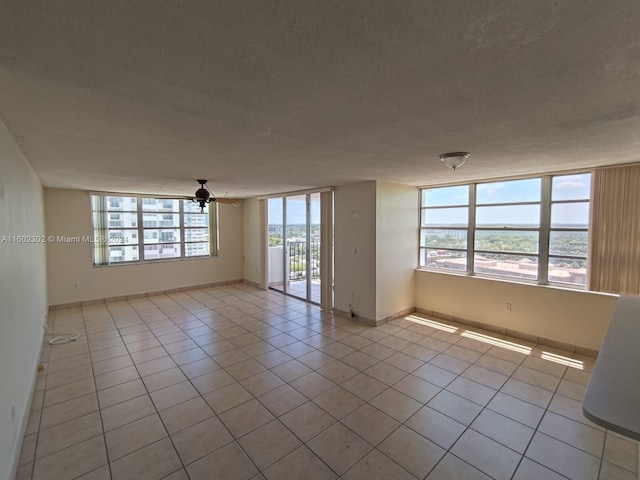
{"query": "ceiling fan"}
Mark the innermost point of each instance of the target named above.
(203, 196)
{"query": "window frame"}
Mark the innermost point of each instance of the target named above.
(104, 232)
(440, 226)
(544, 230)
(553, 229)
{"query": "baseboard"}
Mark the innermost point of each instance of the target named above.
(358, 318)
(251, 283)
(372, 322)
(25, 418)
(143, 295)
(512, 333)
(402, 313)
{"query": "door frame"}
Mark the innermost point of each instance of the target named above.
(326, 243)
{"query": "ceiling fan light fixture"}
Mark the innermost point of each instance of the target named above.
(202, 195)
(454, 160)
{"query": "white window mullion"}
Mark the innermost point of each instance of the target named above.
(181, 220)
(101, 231)
(214, 230)
(471, 229)
(140, 229)
(545, 228)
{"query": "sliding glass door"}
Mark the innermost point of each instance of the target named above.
(294, 245)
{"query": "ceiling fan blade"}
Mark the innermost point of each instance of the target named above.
(228, 201)
(174, 197)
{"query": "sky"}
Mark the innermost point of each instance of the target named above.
(566, 187)
(296, 210)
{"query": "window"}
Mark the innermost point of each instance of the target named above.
(445, 224)
(507, 234)
(534, 229)
(136, 229)
(569, 228)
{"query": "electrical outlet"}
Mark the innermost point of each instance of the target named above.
(75, 285)
(507, 307)
(353, 295)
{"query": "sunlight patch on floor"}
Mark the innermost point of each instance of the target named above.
(562, 360)
(432, 324)
(498, 342)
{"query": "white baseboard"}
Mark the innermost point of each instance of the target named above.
(25, 418)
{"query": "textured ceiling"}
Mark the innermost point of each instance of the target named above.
(271, 96)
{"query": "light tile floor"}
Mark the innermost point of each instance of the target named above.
(238, 383)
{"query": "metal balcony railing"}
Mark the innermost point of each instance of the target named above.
(298, 260)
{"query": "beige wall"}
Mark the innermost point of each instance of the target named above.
(376, 244)
(68, 213)
(355, 248)
(569, 316)
(23, 294)
(380, 221)
(252, 231)
(397, 248)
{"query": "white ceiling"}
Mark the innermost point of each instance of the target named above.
(270, 96)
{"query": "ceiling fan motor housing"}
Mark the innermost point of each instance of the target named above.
(202, 194)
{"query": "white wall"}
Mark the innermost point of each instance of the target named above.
(355, 248)
(23, 294)
(397, 248)
(569, 316)
(277, 269)
(68, 213)
(251, 235)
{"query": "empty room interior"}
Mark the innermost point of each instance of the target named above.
(319, 240)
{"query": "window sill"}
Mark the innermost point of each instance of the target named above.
(151, 262)
(554, 286)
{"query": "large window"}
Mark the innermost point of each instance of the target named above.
(534, 229)
(137, 229)
(445, 227)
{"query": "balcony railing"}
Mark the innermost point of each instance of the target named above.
(298, 260)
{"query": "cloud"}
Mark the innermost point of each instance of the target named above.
(570, 184)
(491, 188)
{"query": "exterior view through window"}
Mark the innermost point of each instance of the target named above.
(136, 229)
(533, 229)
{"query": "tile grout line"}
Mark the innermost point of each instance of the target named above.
(145, 387)
(39, 430)
(453, 393)
(41, 408)
(546, 409)
(89, 352)
(104, 437)
(424, 405)
(498, 390)
(234, 439)
(157, 412)
(467, 427)
(90, 413)
(189, 380)
(289, 320)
